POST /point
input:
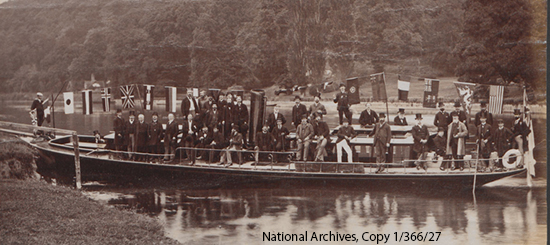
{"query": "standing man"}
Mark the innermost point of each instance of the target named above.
(519, 132)
(442, 118)
(440, 145)
(142, 135)
(170, 138)
(420, 135)
(462, 117)
(345, 134)
(400, 119)
(304, 134)
(227, 121)
(316, 108)
(118, 127)
(155, 134)
(190, 128)
(298, 111)
(368, 117)
(322, 134)
(241, 117)
(343, 104)
(235, 144)
(130, 137)
(483, 113)
(501, 140)
(483, 140)
(273, 117)
(456, 135)
(38, 106)
(280, 132)
(382, 139)
(189, 104)
(213, 120)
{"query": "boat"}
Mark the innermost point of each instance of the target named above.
(97, 163)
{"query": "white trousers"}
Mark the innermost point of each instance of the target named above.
(339, 146)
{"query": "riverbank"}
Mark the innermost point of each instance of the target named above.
(35, 212)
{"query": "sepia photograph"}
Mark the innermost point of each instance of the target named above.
(273, 122)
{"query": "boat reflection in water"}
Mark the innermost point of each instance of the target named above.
(498, 215)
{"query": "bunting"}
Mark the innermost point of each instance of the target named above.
(148, 97)
(127, 96)
(378, 83)
(106, 99)
(171, 96)
(87, 105)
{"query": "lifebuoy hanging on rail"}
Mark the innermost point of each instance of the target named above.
(511, 153)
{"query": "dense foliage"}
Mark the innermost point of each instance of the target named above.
(258, 43)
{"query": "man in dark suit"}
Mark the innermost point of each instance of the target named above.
(190, 128)
(273, 117)
(235, 144)
(118, 127)
(400, 119)
(483, 139)
(298, 111)
(462, 117)
(264, 142)
(280, 133)
(189, 104)
(130, 134)
(483, 113)
(519, 132)
(154, 134)
(322, 133)
(38, 106)
(442, 118)
(214, 118)
(142, 130)
(368, 117)
(218, 142)
(502, 138)
(343, 104)
(420, 135)
(203, 140)
(440, 146)
(227, 116)
(382, 139)
(241, 117)
(170, 138)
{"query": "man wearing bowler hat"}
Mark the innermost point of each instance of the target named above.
(483, 113)
(456, 144)
(462, 117)
(442, 118)
(400, 119)
(130, 134)
(420, 135)
(483, 141)
(382, 139)
(298, 111)
(343, 104)
(502, 137)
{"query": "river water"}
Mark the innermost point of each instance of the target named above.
(503, 212)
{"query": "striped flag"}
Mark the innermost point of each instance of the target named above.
(148, 98)
(403, 87)
(127, 96)
(69, 102)
(496, 97)
(87, 107)
(106, 99)
(171, 95)
(378, 82)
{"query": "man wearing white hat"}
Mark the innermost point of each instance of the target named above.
(38, 107)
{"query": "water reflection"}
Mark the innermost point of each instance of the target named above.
(501, 215)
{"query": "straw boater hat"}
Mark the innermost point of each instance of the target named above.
(39, 94)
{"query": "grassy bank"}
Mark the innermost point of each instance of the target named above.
(33, 212)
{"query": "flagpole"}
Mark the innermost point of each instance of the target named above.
(527, 164)
(387, 110)
(139, 94)
(53, 102)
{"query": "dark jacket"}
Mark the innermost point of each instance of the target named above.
(461, 116)
(142, 134)
(419, 133)
(280, 137)
(272, 121)
(485, 113)
(440, 145)
(171, 133)
(118, 126)
(321, 128)
(442, 119)
(129, 128)
(342, 100)
(381, 133)
(213, 119)
(483, 132)
(297, 113)
(367, 118)
(240, 113)
(155, 133)
(345, 131)
(501, 140)
(265, 141)
(399, 121)
(194, 130)
(186, 104)
(236, 140)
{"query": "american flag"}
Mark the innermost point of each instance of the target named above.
(106, 99)
(127, 96)
(496, 96)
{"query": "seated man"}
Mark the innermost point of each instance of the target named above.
(440, 143)
(217, 143)
(368, 117)
(400, 119)
(304, 135)
(264, 142)
(322, 134)
(190, 129)
(235, 144)
(345, 134)
(203, 141)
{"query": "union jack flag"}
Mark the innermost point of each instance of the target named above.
(127, 96)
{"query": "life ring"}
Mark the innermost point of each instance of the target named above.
(506, 158)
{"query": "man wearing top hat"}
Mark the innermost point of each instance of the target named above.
(400, 119)
(442, 118)
(345, 134)
(298, 111)
(170, 138)
(420, 135)
(462, 117)
(456, 144)
(118, 127)
(382, 139)
(519, 132)
(241, 118)
(189, 104)
(130, 133)
(304, 135)
(483, 113)
(483, 140)
(502, 137)
(155, 134)
(440, 145)
(343, 104)
(368, 116)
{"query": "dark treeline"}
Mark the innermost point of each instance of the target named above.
(258, 43)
